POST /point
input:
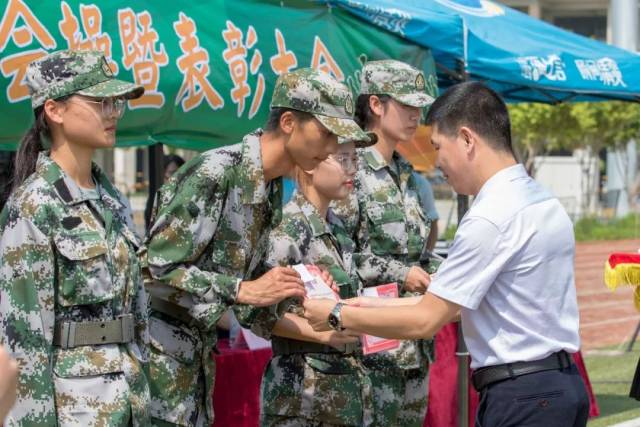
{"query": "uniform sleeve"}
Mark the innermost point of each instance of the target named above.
(282, 250)
(140, 300)
(140, 310)
(27, 318)
(183, 229)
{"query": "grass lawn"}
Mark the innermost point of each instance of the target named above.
(611, 376)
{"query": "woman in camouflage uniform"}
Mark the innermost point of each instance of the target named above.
(72, 306)
(386, 219)
(315, 379)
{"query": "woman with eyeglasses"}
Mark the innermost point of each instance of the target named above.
(387, 222)
(73, 310)
(315, 378)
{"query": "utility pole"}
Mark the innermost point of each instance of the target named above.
(621, 164)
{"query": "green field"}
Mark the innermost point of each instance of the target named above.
(611, 372)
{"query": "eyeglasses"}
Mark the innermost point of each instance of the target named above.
(111, 107)
(347, 162)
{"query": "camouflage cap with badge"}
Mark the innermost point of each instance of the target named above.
(82, 72)
(325, 98)
(397, 79)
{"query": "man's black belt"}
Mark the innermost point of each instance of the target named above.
(483, 377)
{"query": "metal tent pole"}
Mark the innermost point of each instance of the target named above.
(156, 178)
(462, 354)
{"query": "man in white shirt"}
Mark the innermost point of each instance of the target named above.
(509, 273)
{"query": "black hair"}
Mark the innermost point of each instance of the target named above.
(363, 115)
(273, 121)
(474, 105)
(173, 158)
(30, 147)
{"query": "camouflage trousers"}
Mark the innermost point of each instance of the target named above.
(181, 374)
(399, 396)
(284, 421)
(316, 389)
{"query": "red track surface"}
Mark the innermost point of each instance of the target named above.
(606, 318)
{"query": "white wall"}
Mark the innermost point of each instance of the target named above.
(572, 179)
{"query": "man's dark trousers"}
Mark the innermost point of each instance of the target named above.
(555, 398)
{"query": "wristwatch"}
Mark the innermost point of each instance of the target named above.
(335, 321)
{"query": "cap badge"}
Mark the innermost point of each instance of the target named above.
(348, 105)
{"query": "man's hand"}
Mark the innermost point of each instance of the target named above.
(316, 311)
(417, 280)
(272, 287)
(328, 279)
(8, 383)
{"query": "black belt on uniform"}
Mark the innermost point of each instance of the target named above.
(174, 311)
(483, 377)
(70, 334)
(283, 346)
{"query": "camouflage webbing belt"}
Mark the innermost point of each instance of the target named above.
(95, 332)
(172, 310)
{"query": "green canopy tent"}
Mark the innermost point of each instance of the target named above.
(208, 67)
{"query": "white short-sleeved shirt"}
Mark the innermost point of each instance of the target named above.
(511, 269)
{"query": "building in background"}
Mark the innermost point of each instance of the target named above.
(589, 18)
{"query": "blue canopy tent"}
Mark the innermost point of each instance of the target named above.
(522, 58)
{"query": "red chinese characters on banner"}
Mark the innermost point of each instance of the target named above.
(139, 53)
(235, 55)
(194, 66)
(93, 39)
(20, 25)
(323, 60)
(285, 60)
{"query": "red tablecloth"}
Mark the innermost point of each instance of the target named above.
(236, 398)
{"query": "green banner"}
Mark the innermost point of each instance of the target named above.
(208, 66)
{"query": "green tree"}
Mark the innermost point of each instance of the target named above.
(538, 129)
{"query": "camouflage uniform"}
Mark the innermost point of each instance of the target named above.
(66, 257)
(390, 229)
(68, 266)
(210, 232)
(308, 383)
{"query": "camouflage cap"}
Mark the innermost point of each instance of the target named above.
(318, 93)
(397, 79)
(67, 72)
(372, 138)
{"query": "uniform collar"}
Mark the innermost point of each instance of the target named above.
(375, 161)
(250, 172)
(67, 189)
(318, 225)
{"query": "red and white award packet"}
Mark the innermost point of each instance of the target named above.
(371, 344)
(313, 283)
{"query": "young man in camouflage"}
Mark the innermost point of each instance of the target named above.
(210, 231)
(73, 310)
(390, 229)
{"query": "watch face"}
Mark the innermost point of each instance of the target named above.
(333, 321)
